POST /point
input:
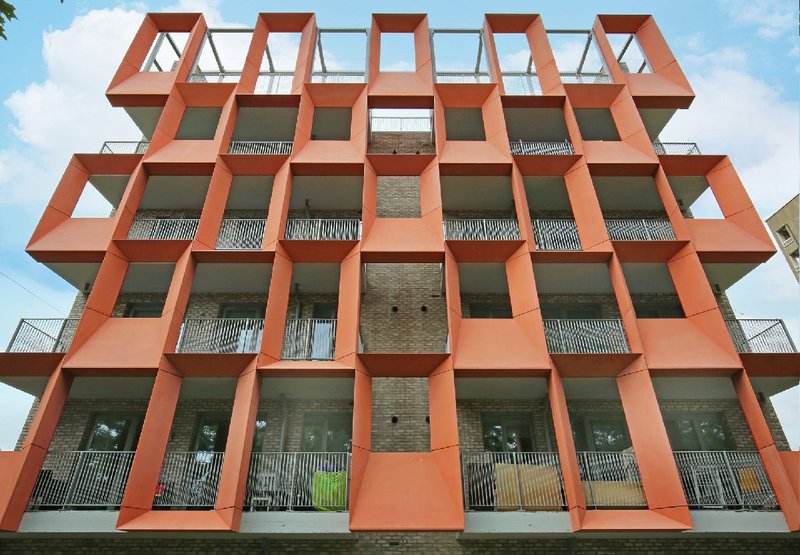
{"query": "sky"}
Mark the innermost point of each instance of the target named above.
(741, 56)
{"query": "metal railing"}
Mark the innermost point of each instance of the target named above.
(215, 77)
(585, 78)
(639, 230)
(163, 228)
(241, 234)
(124, 147)
(338, 77)
(752, 335)
(725, 479)
(525, 481)
(585, 336)
(221, 335)
(289, 481)
(541, 147)
(43, 335)
(323, 230)
(481, 230)
(521, 83)
(611, 479)
(309, 339)
(81, 479)
(675, 148)
(260, 147)
(556, 235)
(278, 82)
(462, 77)
(399, 124)
(188, 479)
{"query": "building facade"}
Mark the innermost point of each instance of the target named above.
(785, 227)
(341, 309)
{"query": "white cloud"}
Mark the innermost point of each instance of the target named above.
(209, 9)
(772, 18)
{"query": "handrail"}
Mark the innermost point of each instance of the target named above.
(220, 335)
(342, 229)
(338, 77)
(309, 339)
(189, 479)
(751, 335)
(163, 228)
(520, 83)
(639, 230)
(556, 234)
(611, 479)
(586, 336)
(261, 147)
(680, 149)
(584, 78)
(541, 147)
(481, 230)
(241, 234)
(463, 77)
(43, 335)
(125, 147)
(275, 82)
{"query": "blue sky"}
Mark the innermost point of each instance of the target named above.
(741, 57)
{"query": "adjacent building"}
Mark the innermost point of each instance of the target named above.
(785, 227)
(340, 309)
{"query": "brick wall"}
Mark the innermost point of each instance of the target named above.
(408, 287)
(494, 298)
(125, 299)
(607, 303)
(406, 398)
(209, 305)
(385, 142)
(398, 196)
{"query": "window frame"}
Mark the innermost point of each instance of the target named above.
(693, 417)
(198, 424)
(131, 308)
(134, 432)
(503, 417)
(582, 422)
(326, 417)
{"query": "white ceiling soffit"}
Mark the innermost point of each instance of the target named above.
(232, 278)
(175, 192)
(327, 192)
(302, 389)
(316, 277)
(505, 388)
(723, 275)
(145, 117)
(250, 192)
(482, 278)
(208, 388)
(591, 388)
(148, 277)
(121, 387)
(490, 192)
(111, 187)
(648, 278)
(77, 274)
(265, 124)
(535, 124)
(572, 278)
(546, 192)
(635, 192)
(655, 120)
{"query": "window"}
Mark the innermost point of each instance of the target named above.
(698, 432)
(602, 432)
(211, 433)
(489, 310)
(324, 311)
(507, 432)
(242, 310)
(571, 312)
(143, 310)
(260, 433)
(327, 432)
(113, 432)
(784, 235)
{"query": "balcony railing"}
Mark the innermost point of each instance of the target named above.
(675, 148)
(289, 481)
(725, 479)
(163, 228)
(399, 124)
(640, 230)
(521, 83)
(309, 339)
(279, 82)
(221, 335)
(462, 77)
(188, 479)
(760, 336)
(81, 479)
(215, 77)
(481, 230)
(260, 147)
(124, 147)
(338, 77)
(241, 234)
(541, 147)
(556, 235)
(512, 482)
(323, 230)
(611, 479)
(585, 336)
(43, 335)
(585, 78)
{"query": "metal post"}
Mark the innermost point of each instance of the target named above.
(733, 479)
(517, 474)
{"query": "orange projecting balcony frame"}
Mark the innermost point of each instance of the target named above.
(429, 495)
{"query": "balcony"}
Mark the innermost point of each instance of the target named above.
(556, 235)
(611, 479)
(338, 77)
(725, 480)
(760, 336)
(481, 230)
(584, 78)
(241, 234)
(163, 229)
(189, 479)
(43, 335)
(309, 339)
(680, 149)
(639, 230)
(81, 479)
(221, 335)
(280, 148)
(323, 230)
(585, 336)
(462, 77)
(276, 82)
(520, 83)
(541, 147)
(215, 76)
(298, 481)
(125, 147)
(525, 481)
